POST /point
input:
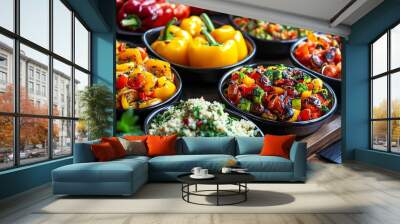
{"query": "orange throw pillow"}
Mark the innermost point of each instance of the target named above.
(161, 145)
(135, 138)
(277, 145)
(103, 152)
(116, 145)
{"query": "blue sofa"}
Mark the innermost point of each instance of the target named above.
(125, 176)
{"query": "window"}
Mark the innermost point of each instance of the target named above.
(385, 94)
(41, 123)
(30, 87)
(7, 14)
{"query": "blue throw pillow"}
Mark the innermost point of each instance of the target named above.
(208, 145)
(249, 145)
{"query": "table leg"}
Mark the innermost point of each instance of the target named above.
(217, 194)
(195, 188)
(245, 193)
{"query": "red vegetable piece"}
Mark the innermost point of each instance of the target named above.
(122, 80)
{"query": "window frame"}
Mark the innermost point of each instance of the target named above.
(16, 114)
(388, 74)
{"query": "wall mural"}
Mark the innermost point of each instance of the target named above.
(193, 72)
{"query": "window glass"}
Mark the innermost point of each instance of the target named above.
(81, 131)
(34, 21)
(6, 74)
(62, 91)
(379, 98)
(379, 135)
(33, 140)
(379, 56)
(81, 82)
(39, 62)
(62, 137)
(6, 142)
(81, 45)
(395, 135)
(395, 47)
(7, 14)
(62, 29)
(395, 94)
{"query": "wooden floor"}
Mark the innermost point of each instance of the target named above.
(379, 189)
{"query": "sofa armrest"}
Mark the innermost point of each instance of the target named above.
(83, 152)
(298, 155)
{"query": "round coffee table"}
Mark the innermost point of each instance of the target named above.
(238, 179)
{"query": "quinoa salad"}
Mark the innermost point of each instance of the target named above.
(198, 117)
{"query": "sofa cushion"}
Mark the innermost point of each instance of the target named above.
(249, 145)
(161, 145)
(277, 145)
(208, 145)
(257, 163)
(116, 145)
(112, 171)
(83, 152)
(104, 152)
(134, 147)
(185, 163)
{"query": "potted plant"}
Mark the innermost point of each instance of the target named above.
(96, 103)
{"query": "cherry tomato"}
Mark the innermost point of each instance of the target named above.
(122, 80)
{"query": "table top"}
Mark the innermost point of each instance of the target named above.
(220, 178)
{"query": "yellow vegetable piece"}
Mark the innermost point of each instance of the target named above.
(278, 90)
(159, 68)
(192, 25)
(124, 103)
(125, 67)
(130, 54)
(166, 91)
(317, 83)
(295, 115)
(227, 32)
(210, 55)
(173, 43)
(150, 81)
(248, 81)
(161, 81)
(148, 103)
(306, 94)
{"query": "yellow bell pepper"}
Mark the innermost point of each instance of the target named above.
(248, 81)
(130, 54)
(125, 66)
(159, 68)
(150, 81)
(295, 115)
(166, 91)
(192, 25)
(173, 44)
(225, 33)
(306, 94)
(211, 54)
(150, 102)
(125, 103)
(317, 83)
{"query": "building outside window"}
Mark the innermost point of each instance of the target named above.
(385, 94)
(57, 126)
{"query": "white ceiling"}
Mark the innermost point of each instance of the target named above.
(319, 15)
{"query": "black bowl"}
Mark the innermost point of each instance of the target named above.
(335, 83)
(151, 116)
(192, 74)
(143, 112)
(300, 128)
(268, 49)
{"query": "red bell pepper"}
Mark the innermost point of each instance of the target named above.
(140, 15)
(181, 11)
(119, 4)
